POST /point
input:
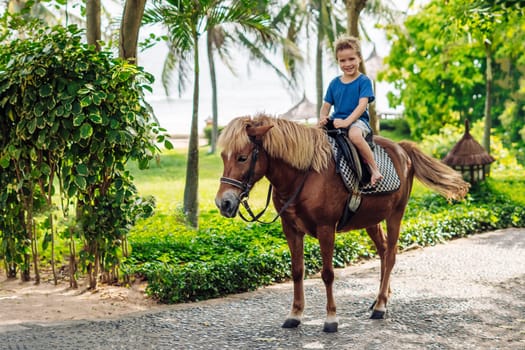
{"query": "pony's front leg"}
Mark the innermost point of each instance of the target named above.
(295, 243)
(326, 242)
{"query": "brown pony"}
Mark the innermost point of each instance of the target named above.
(311, 197)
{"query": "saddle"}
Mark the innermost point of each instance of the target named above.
(347, 151)
(355, 172)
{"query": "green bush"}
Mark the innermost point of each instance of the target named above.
(208, 130)
(71, 117)
(399, 125)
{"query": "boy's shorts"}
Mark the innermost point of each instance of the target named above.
(363, 126)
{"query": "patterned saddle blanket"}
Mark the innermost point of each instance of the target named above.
(388, 184)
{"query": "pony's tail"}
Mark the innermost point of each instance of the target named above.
(435, 174)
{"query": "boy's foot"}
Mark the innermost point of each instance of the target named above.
(376, 177)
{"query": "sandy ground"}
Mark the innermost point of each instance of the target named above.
(26, 302)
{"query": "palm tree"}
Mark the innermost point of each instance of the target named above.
(221, 38)
(186, 21)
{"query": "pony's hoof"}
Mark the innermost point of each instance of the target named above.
(330, 327)
(291, 323)
(378, 315)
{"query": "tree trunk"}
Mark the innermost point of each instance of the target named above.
(72, 260)
(319, 65)
(192, 169)
(93, 31)
(213, 77)
(488, 97)
(353, 11)
(35, 251)
(129, 29)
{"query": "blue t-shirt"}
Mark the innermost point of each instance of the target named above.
(345, 97)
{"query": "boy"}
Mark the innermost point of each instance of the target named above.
(350, 94)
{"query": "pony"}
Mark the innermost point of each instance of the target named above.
(310, 196)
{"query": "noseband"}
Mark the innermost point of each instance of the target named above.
(246, 185)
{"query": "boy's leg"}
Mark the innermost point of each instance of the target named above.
(355, 134)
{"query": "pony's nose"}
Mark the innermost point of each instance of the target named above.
(227, 205)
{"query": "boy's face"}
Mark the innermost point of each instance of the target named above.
(349, 61)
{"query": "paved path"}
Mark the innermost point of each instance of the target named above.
(465, 294)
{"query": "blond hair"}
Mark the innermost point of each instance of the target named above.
(348, 42)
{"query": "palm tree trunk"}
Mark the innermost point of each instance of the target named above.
(488, 97)
(214, 108)
(319, 64)
(192, 169)
(353, 11)
(129, 29)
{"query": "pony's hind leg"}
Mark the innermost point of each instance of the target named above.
(387, 250)
(377, 235)
(295, 243)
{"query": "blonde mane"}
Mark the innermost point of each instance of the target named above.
(299, 145)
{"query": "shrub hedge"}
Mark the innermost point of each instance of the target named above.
(229, 256)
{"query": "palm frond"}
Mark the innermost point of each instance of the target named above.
(179, 62)
(259, 55)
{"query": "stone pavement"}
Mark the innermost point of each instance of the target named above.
(465, 294)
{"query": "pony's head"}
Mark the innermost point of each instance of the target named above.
(248, 144)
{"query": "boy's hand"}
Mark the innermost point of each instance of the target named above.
(323, 120)
(340, 123)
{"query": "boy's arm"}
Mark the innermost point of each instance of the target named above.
(324, 113)
(358, 111)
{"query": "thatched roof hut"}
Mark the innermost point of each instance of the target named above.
(469, 157)
(303, 110)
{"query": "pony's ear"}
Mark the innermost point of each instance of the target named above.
(257, 131)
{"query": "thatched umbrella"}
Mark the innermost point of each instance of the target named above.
(303, 110)
(469, 157)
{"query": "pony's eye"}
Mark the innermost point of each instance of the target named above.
(242, 158)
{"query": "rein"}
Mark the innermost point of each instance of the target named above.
(246, 185)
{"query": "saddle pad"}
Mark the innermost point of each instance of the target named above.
(389, 183)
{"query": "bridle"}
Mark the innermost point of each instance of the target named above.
(247, 183)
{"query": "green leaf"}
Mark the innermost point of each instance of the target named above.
(45, 169)
(40, 71)
(82, 170)
(39, 109)
(95, 118)
(97, 99)
(79, 119)
(45, 90)
(31, 126)
(168, 145)
(81, 182)
(118, 184)
(41, 122)
(71, 191)
(47, 239)
(86, 130)
(76, 108)
(5, 161)
(86, 101)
